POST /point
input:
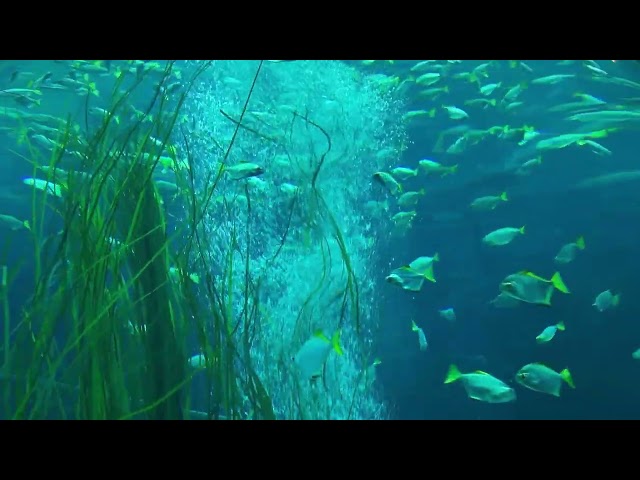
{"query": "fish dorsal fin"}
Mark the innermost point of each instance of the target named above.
(530, 274)
(320, 334)
(480, 372)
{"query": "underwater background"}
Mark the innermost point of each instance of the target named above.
(221, 244)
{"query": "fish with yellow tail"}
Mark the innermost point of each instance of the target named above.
(530, 288)
(482, 386)
(569, 251)
(422, 338)
(540, 378)
(314, 353)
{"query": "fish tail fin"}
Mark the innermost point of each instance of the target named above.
(558, 283)
(414, 327)
(615, 300)
(580, 242)
(453, 374)
(436, 257)
(26, 224)
(429, 274)
(522, 229)
(335, 342)
(599, 133)
(566, 376)
(503, 197)
(560, 326)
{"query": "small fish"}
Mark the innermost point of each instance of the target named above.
(45, 142)
(403, 173)
(90, 67)
(386, 180)
(312, 356)
(569, 251)
(490, 88)
(410, 199)
(563, 141)
(611, 116)
(288, 188)
(244, 170)
(455, 113)
(428, 79)
(411, 277)
(174, 273)
(514, 92)
(432, 93)
(48, 187)
(166, 187)
(596, 147)
(413, 114)
(481, 102)
(198, 362)
(13, 92)
(540, 378)
(422, 339)
(489, 202)
(431, 166)
(529, 165)
(481, 386)
(136, 330)
(448, 314)
(101, 112)
(550, 332)
(551, 79)
(606, 300)
(13, 223)
(404, 219)
(528, 134)
(458, 147)
(502, 236)
(370, 372)
(530, 288)
(424, 64)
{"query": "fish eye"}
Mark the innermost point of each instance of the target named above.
(522, 375)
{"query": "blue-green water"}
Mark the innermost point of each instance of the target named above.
(596, 346)
(363, 117)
